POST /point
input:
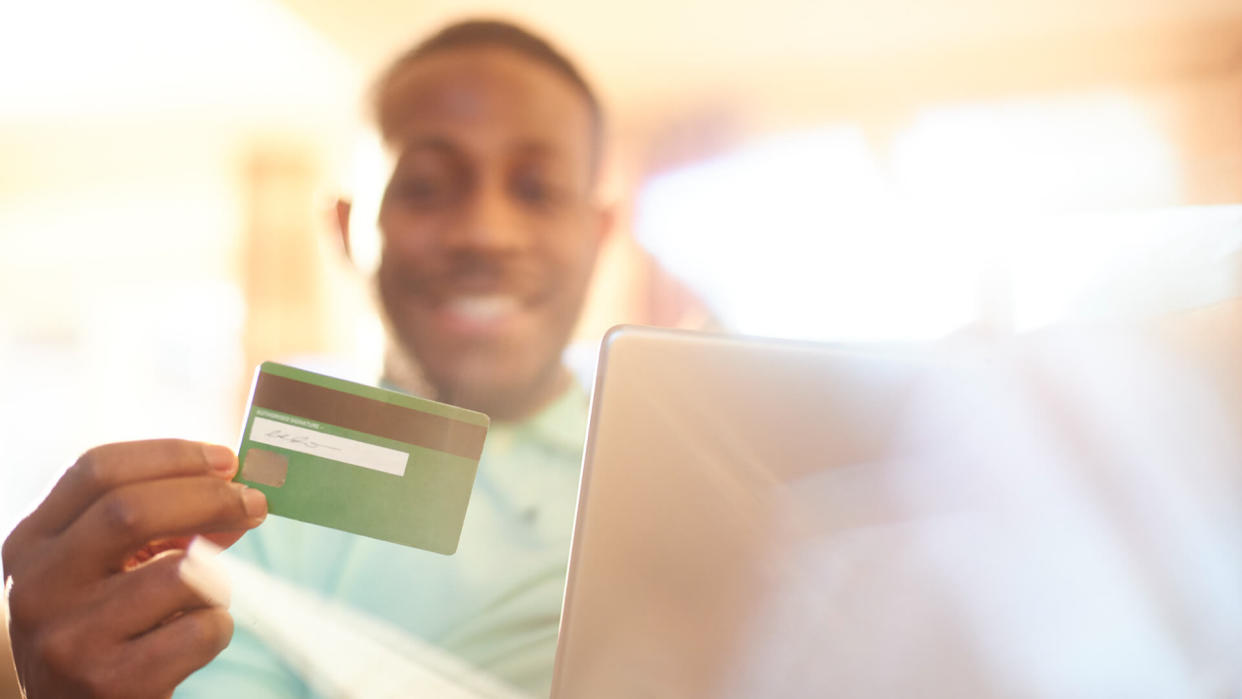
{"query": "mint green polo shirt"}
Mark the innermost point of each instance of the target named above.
(495, 604)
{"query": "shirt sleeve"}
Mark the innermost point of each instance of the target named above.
(249, 667)
(246, 668)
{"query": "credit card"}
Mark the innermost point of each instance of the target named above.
(360, 459)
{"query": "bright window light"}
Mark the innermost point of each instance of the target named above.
(1015, 213)
(795, 238)
(1089, 152)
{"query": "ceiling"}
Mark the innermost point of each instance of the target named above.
(66, 63)
(305, 61)
(648, 52)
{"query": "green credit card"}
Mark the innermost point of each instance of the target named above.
(359, 458)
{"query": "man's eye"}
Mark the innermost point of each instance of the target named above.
(533, 190)
(419, 191)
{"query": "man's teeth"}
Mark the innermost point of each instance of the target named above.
(483, 308)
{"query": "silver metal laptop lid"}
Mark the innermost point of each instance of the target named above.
(763, 518)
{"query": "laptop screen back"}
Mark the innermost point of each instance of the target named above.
(1053, 517)
(706, 461)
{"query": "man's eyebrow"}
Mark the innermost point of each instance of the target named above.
(531, 148)
(437, 144)
(540, 149)
(549, 155)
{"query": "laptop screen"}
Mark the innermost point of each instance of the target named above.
(761, 518)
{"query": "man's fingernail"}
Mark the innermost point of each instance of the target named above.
(220, 459)
(255, 503)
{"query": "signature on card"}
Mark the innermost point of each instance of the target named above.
(305, 441)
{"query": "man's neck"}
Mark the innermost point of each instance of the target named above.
(522, 405)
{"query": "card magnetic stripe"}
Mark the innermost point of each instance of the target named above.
(353, 412)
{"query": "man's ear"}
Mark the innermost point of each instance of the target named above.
(342, 210)
(605, 222)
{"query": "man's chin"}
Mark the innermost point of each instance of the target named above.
(496, 392)
(500, 402)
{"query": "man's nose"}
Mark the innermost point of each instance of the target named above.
(491, 222)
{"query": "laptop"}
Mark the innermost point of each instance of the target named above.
(705, 455)
(765, 518)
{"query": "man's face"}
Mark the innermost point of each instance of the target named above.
(489, 228)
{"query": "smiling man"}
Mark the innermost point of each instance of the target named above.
(490, 231)
(489, 227)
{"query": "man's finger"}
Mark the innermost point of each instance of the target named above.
(111, 466)
(224, 539)
(138, 601)
(125, 604)
(153, 664)
(128, 517)
(221, 540)
(168, 655)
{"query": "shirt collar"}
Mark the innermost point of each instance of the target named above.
(560, 425)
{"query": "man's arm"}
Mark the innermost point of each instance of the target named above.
(96, 600)
(8, 675)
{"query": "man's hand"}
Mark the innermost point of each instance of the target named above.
(96, 602)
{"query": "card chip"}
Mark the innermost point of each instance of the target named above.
(265, 467)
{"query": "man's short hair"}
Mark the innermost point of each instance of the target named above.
(492, 33)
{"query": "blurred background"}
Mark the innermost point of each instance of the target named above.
(820, 169)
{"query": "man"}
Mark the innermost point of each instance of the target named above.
(490, 233)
